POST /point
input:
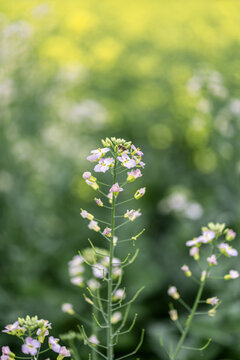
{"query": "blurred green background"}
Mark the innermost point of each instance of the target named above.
(162, 74)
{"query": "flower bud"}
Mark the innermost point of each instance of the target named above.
(172, 291)
(173, 315)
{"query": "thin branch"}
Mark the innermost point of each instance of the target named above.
(137, 348)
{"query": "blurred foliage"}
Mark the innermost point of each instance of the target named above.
(162, 74)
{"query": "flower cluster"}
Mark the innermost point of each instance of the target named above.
(33, 333)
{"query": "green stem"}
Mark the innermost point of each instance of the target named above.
(110, 274)
(94, 331)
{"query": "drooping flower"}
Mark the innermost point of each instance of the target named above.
(132, 214)
(63, 352)
(212, 260)
(230, 235)
(86, 215)
(98, 202)
(173, 314)
(53, 344)
(31, 346)
(97, 154)
(212, 301)
(93, 340)
(233, 274)
(68, 308)
(116, 189)
(172, 291)
(194, 251)
(93, 225)
(139, 193)
(107, 232)
(116, 317)
(104, 165)
(227, 250)
(90, 180)
(133, 175)
(186, 270)
(127, 161)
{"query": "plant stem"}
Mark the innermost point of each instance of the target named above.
(110, 283)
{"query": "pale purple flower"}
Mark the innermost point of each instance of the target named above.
(116, 317)
(53, 344)
(212, 260)
(86, 215)
(186, 269)
(87, 175)
(76, 260)
(97, 154)
(119, 294)
(104, 165)
(227, 250)
(76, 270)
(230, 235)
(107, 231)
(64, 352)
(132, 214)
(11, 327)
(194, 251)
(6, 350)
(233, 274)
(127, 161)
(99, 271)
(133, 175)
(192, 242)
(98, 202)
(93, 225)
(7, 354)
(136, 150)
(212, 301)
(93, 284)
(93, 340)
(115, 189)
(31, 346)
(77, 280)
(42, 332)
(207, 236)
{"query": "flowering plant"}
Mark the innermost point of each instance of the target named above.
(33, 333)
(206, 250)
(102, 280)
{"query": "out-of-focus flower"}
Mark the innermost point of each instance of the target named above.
(30, 346)
(93, 284)
(132, 214)
(77, 280)
(116, 189)
(99, 271)
(7, 354)
(86, 215)
(133, 175)
(230, 235)
(212, 260)
(186, 270)
(68, 308)
(97, 154)
(63, 352)
(173, 315)
(93, 340)
(172, 291)
(115, 240)
(53, 344)
(93, 225)
(194, 251)
(119, 295)
(212, 301)
(203, 275)
(116, 317)
(90, 180)
(233, 274)
(139, 193)
(98, 202)
(212, 312)
(227, 250)
(104, 165)
(207, 236)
